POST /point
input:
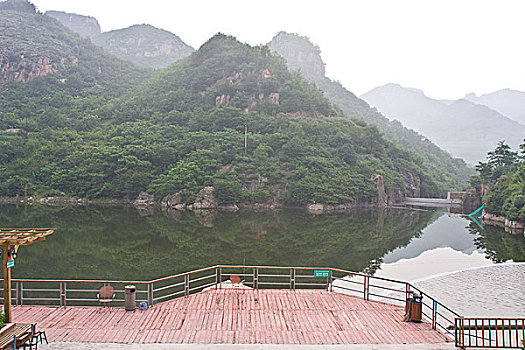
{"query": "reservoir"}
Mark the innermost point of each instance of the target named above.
(122, 243)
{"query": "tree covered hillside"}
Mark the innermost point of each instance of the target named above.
(84, 132)
(300, 54)
(504, 172)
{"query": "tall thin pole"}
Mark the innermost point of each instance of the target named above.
(7, 285)
(245, 138)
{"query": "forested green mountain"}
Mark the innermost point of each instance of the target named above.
(34, 45)
(302, 55)
(141, 44)
(90, 129)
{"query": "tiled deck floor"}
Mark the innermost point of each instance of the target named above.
(236, 316)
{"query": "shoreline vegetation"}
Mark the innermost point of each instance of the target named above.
(500, 186)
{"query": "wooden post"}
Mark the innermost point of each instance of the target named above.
(7, 285)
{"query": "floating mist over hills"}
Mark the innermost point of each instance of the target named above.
(465, 129)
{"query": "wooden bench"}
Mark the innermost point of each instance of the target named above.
(22, 332)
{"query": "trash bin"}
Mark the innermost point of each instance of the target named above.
(129, 298)
(416, 308)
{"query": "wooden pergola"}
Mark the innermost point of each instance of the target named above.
(11, 239)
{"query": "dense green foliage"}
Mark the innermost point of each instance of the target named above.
(447, 172)
(504, 172)
(90, 130)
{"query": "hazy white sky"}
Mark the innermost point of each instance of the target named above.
(446, 48)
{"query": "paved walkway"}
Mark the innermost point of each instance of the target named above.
(236, 316)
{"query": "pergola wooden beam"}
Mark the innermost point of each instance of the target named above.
(17, 237)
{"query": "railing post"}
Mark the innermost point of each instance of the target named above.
(65, 293)
(220, 276)
(21, 293)
(186, 285)
(256, 282)
(331, 280)
(456, 331)
(292, 279)
(60, 293)
(366, 287)
(151, 285)
(434, 314)
(216, 277)
(16, 295)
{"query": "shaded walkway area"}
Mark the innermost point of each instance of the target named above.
(236, 316)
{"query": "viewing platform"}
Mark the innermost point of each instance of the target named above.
(229, 304)
(244, 316)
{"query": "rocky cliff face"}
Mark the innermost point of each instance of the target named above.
(33, 45)
(300, 54)
(24, 69)
(144, 45)
(85, 26)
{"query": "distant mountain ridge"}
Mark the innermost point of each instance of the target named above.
(510, 103)
(141, 44)
(465, 129)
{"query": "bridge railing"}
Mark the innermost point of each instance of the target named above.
(84, 292)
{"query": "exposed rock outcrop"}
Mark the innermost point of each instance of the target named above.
(301, 54)
(144, 199)
(205, 199)
(222, 100)
(173, 201)
(25, 69)
(318, 208)
(382, 198)
(512, 226)
(412, 184)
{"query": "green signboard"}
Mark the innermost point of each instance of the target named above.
(10, 263)
(321, 273)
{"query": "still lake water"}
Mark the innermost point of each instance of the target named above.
(121, 243)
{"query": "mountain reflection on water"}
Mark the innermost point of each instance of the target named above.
(97, 242)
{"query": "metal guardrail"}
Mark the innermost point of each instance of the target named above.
(84, 292)
(502, 333)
